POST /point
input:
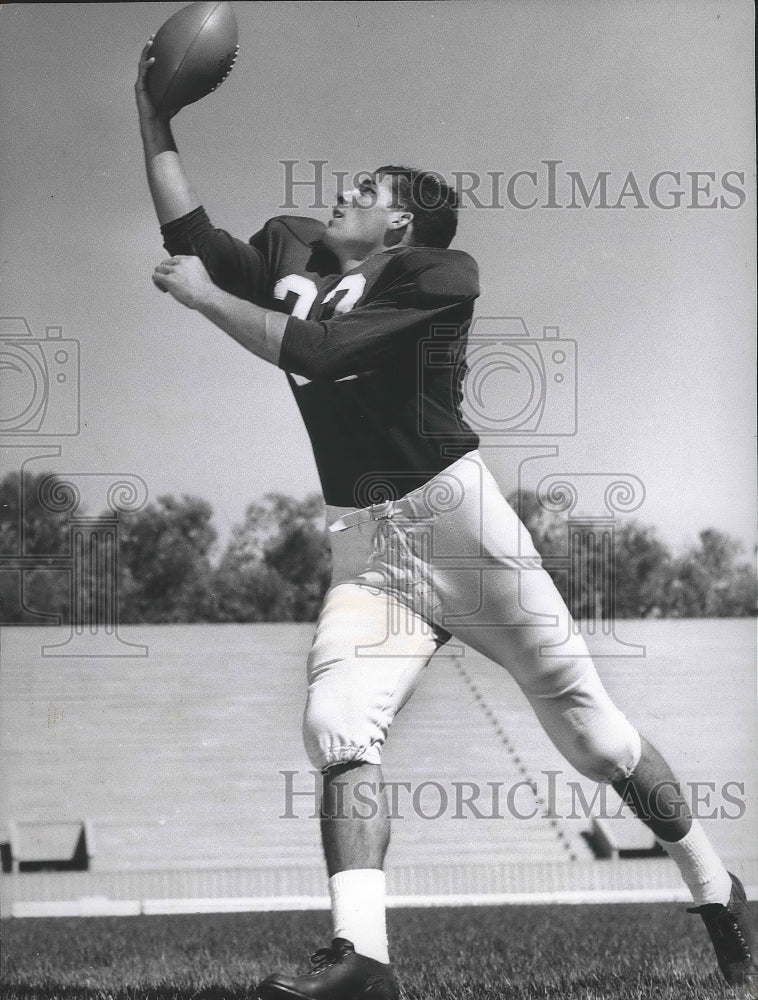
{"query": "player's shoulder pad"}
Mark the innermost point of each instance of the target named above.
(304, 230)
(440, 274)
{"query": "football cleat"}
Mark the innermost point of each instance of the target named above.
(730, 930)
(336, 973)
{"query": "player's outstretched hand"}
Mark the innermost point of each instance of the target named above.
(145, 107)
(185, 278)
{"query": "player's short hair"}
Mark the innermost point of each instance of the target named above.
(433, 203)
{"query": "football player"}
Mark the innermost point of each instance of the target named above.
(348, 310)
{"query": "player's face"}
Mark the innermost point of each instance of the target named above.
(364, 220)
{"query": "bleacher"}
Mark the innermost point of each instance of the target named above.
(131, 785)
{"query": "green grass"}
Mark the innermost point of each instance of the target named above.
(640, 952)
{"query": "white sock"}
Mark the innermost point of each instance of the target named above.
(358, 910)
(700, 866)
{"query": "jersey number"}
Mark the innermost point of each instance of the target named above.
(300, 293)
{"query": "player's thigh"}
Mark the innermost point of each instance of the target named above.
(510, 610)
(553, 667)
(494, 594)
(367, 656)
(517, 618)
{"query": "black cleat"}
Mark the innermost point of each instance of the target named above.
(730, 930)
(337, 973)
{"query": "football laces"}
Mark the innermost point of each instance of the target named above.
(228, 69)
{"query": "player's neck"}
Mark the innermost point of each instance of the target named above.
(348, 263)
(353, 253)
(354, 258)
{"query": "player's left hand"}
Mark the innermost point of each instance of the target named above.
(185, 278)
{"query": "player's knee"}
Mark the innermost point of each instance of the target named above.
(333, 733)
(606, 753)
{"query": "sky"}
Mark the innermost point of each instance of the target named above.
(659, 301)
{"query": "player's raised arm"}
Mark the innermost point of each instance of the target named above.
(171, 192)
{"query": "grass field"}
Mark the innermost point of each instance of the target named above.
(638, 952)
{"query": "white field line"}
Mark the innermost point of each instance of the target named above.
(100, 906)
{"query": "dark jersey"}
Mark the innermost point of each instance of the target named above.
(374, 356)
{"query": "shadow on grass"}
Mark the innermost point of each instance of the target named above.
(56, 991)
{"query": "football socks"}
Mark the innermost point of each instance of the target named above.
(701, 868)
(358, 910)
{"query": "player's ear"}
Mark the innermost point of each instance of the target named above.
(401, 219)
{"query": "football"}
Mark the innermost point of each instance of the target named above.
(194, 52)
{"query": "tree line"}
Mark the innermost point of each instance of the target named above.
(276, 563)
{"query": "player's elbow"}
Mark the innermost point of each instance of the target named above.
(311, 359)
(316, 369)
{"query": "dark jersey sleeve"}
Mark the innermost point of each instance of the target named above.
(420, 289)
(239, 268)
(246, 270)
